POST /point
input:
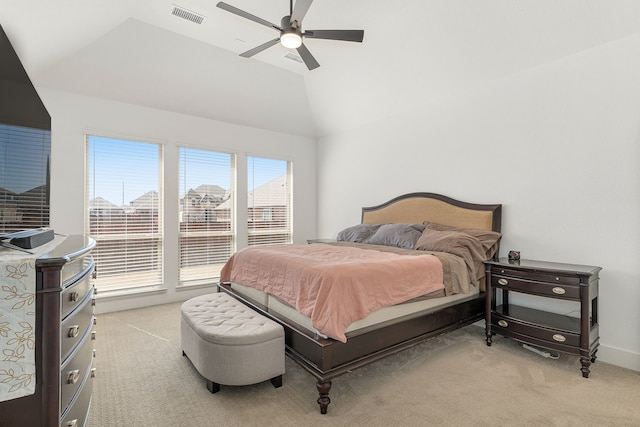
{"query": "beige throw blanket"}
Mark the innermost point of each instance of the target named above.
(334, 285)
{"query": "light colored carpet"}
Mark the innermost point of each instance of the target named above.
(453, 380)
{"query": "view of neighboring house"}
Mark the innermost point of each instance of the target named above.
(102, 207)
(198, 204)
(266, 203)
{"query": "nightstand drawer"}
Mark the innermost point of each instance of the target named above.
(503, 327)
(555, 290)
(551, 327)
(538, 276)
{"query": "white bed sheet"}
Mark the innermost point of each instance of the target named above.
(396, 313)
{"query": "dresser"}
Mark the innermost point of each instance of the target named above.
(577, 284)
(64, 336)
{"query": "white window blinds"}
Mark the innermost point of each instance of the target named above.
(124, 215)
(206, 214)
(269, 217)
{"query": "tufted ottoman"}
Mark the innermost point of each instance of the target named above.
(230, 344)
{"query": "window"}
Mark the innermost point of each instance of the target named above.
(124, 215)
(206, 222)
(269, 203)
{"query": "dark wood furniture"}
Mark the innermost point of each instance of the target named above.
(576, 283)
(63, 340)
(327, 359)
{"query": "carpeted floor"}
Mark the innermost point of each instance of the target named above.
(453, 380)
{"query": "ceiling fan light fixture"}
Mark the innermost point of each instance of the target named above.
(291, 40)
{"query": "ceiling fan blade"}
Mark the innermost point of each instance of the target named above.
(308, 59)
(235, 10)
(300, 10)
(344, 35)
(258, 49)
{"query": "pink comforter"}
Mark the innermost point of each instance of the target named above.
(334, 285)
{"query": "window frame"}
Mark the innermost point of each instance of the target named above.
(260, 236)
(184, 281)
(156, 235)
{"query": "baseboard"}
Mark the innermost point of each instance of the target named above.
(619, 357)
(109, 303)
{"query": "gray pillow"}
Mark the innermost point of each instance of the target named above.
(357, 233)
(399, 235)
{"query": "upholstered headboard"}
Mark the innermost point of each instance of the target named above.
(415, 208)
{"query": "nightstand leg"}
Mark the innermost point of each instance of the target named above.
(586, 362)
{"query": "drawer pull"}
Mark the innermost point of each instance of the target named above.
(93, 372)
(74, 331)
(93, 335)
(558, 290)
(93, 302)
(73, 296)
(503, 282)
(73, 376)
(559, 338)
(72, 423)
(503, 323)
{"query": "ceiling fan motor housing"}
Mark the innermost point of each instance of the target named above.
(290, 36)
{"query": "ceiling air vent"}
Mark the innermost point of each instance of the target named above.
(293, 57)
(185, 14)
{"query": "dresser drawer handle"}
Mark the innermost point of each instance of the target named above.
(558, 290)
(93, 372)
(74, 331)
(559, 338)
(73, 296)
(503, 282)
(73, 376)
(503, 323)
(72, 423)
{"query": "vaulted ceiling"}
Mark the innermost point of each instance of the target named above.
(414, 52)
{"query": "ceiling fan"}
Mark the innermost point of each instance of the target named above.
(291, 34)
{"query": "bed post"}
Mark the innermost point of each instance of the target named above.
(323, 388)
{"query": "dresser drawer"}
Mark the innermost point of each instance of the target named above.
(75, 293)
(75, 369)
(75, 326)
(78, 412)
(554, 290)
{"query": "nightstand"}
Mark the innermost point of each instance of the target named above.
(575, 283)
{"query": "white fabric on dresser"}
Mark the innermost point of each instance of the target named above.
(18, 319)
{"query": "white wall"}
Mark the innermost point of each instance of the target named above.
(73, 116)
(558, 145)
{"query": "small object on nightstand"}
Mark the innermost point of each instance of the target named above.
(514, 255)
(574, 283)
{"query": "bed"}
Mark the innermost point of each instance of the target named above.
(390, 329)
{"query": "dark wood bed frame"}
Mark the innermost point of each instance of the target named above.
(327, 359)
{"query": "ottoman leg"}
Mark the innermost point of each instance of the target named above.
(213, 387)
(277, 381)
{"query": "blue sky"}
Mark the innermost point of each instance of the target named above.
(125, 170)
